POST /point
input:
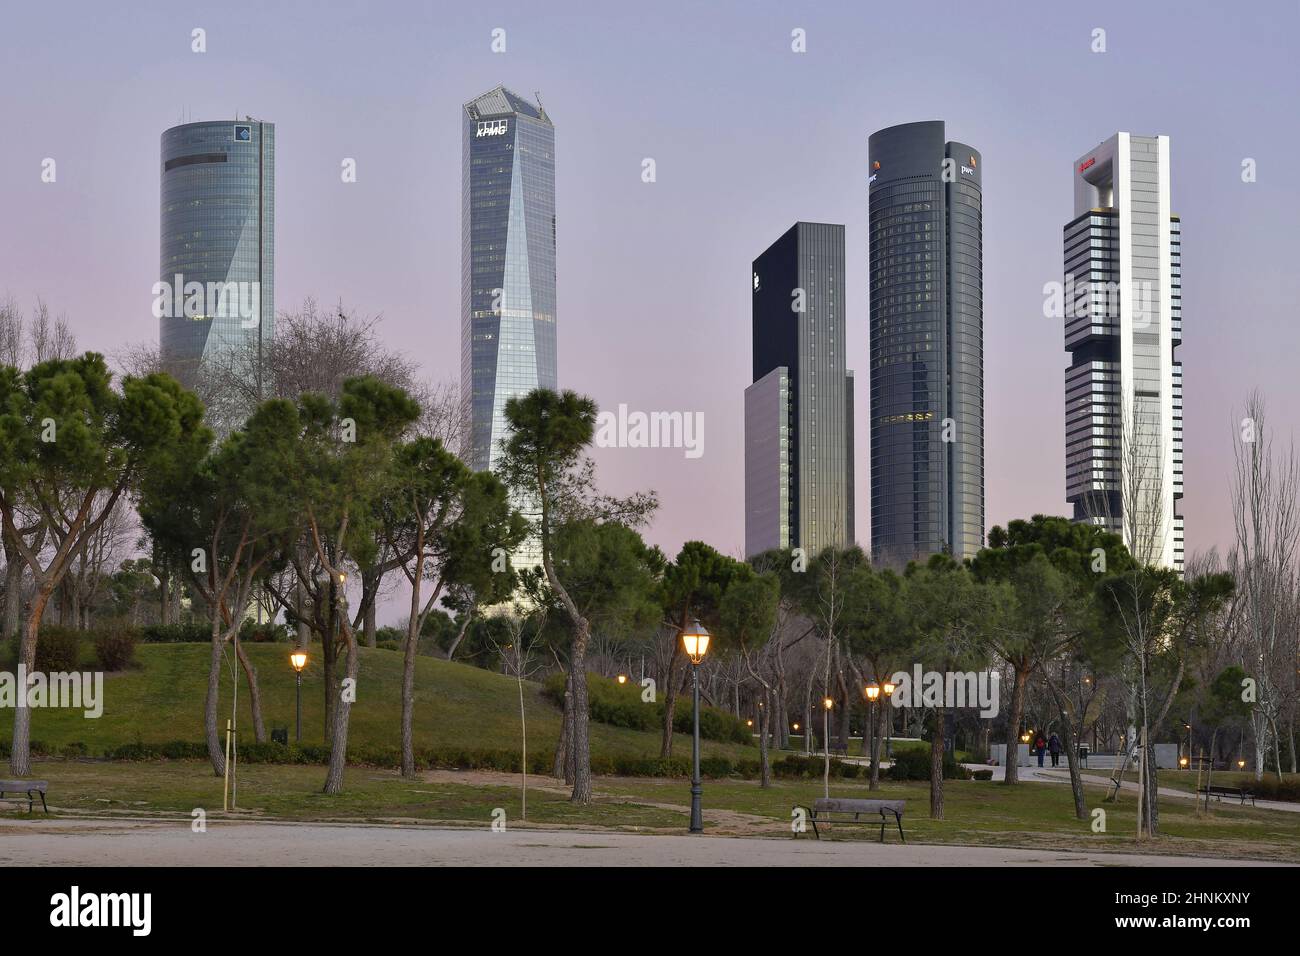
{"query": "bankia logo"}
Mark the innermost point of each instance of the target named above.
(243, 133)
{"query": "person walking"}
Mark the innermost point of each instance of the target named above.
(1040, 748)
(1054, 747)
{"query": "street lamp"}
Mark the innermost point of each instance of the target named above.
(622, 678)
(695, 641)
(298, 660)
(872, 691)
(889, 721)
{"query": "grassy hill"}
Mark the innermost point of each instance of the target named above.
(456, 706)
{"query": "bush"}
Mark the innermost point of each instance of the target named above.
(620, 705)
(57, 649)
(981, 774)
(191, 632)
(915, 765)
(388, 645)
(115, 647)
(267, 633)
(74, 749)
(1270, 788)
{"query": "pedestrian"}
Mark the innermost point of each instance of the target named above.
(1054, 746)
(1040, 748)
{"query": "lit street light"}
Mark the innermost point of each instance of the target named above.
(695, 641)
(298, 660)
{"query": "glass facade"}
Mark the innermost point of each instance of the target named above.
(217, 228)
(798, 330)
(508, 345)
(927, 345)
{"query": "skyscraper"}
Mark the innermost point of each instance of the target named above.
(927, 344)
(1123, 325)
(507, 261)
(216, 287)
(799, 410)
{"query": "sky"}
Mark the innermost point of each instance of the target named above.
(747, 136)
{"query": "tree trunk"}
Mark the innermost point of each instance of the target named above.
(936, 765)
(560, 767)
(216, 752)
(670, 698)
(460, 635)
(254, 691)
(408, 700)
(20, 756)
(764, 762)
(1012, 759)
(11, 617)
(343, 707)
(581, 718)
(369, 623)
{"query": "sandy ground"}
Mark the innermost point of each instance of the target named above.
(172, 843)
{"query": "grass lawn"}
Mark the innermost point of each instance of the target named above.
(456, 705)
(1033, 815)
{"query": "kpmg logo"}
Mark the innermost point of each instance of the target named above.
(491, 128)
(243, 133)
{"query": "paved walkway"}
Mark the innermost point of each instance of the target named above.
(1061, 774)
(171, 843)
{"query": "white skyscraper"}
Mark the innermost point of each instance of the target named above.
(1123, 325)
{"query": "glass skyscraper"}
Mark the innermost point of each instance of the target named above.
(217, 241)
(927, 345)
(507, 261)
(1123, 325)
(799, 410)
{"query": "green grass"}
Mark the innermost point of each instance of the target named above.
(1033, 815)
(456, 705)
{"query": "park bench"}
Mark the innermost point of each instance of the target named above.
(835, 810)
(29, 787)
(1220, 792)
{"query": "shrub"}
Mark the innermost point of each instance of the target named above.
(915, 765)
(57, 649)
(265, 633)
(981, 774)
(115, 647)
(1270, 788)
(74, 749)
(388, 645)
(190, 632)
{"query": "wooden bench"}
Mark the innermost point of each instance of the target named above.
(836, 810)
(1220, 792)
(29, 787)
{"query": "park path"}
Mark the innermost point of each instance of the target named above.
(1062, 775)
(172, 843)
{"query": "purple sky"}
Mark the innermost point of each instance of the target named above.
(653, 279)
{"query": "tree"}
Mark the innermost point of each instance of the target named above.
(445, 524)
(339, 468)
(1266, 525)
(1052, 565)
(225, 520)
(543, 460)
(950, 611)
(71, 447)
(693, 587)
(750, 618)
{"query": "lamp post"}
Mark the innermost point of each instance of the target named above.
(298, 660)
(827, 704)
(872, 691)
(889, 721)
(695, 641)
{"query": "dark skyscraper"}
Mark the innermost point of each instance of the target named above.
(927, 345)
(217, 241)
(799, 411)
(507, 261)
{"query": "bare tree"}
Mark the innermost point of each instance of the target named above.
(1266, 521)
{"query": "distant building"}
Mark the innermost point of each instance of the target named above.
(1123, 325)
(927, 344)
(217, 230)
(799, 410)
(507, 261)
(508, 345)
